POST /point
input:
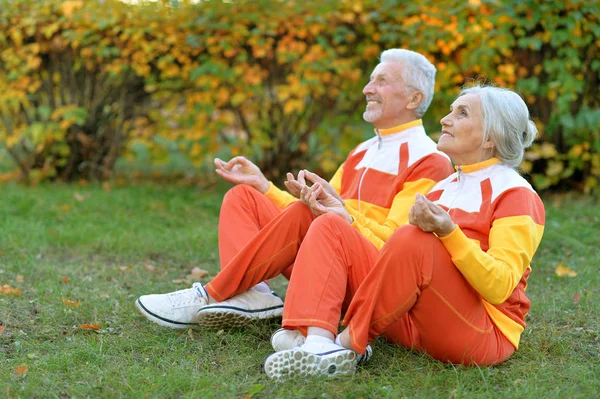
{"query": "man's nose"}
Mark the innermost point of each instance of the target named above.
(368, 89)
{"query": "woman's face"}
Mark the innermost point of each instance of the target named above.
(462, 132)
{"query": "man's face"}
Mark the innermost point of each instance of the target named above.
(387, 97)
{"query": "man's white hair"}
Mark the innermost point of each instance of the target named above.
(419, 74)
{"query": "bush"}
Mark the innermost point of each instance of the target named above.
(279, 82)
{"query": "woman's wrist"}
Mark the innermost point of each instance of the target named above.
(449, 228)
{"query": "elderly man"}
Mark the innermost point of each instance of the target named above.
(263, 231)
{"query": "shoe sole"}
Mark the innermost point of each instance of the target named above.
(161, 321)
(296, 362)
(216, 317)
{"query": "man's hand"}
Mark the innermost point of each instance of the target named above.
(240, 170)
(294, 186)
(321, 202)
(328, 188)
(430, 217)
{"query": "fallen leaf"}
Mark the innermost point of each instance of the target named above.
(21, 370)
(179, 281)
(576, 297)
(19, 278)
(106, 187)
(86, 326)
(562, 271)
(65, 280)
(79, 197)
(197, 273)
(65, 208)
(71, 303)
(191, 334)
(125, 268)
(149, 267)
(8, 290)
(2, 329)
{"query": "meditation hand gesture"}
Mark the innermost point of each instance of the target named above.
(320, 202)
(294, 186)
(430, 217)
(240, 170)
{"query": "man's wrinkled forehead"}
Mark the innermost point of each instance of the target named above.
(388, 69)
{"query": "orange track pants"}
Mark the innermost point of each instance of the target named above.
(332, 263)
(244, 212)
(257, 241)
(416, 297)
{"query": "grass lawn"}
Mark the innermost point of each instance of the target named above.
(82, 255)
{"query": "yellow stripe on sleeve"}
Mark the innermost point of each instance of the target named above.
(495, 273)
(279, 197)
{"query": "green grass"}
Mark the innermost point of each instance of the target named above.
(100, 241)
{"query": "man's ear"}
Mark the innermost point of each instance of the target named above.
(416, 98)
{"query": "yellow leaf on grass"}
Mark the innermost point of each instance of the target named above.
(149, 267)
(71, 303)
(21, 370)
(8, 290)
(2, 329)
(198, 273)
(19, 278)
(564, 271)
(86, 326)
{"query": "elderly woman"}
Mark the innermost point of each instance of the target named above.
(452, 282)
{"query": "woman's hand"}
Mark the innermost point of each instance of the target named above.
(320, 202)
(430, 217)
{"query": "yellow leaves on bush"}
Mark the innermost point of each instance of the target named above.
(68, 8)
(70, 303)
(554, 168)
(8, 290)
(564, 271)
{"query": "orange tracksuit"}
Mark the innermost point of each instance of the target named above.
(378, 182)
(461, 298)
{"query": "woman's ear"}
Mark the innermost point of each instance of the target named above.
(488, 145)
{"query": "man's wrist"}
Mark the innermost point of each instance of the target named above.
(263, 186)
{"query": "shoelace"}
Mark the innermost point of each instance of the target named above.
(187, 295)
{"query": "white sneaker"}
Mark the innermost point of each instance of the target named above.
(240, 310)
(284, 339)
(312, 359)
(177, 309)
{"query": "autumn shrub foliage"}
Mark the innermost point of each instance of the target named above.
(83, 83)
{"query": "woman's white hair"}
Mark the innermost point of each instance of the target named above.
(419, 74)
(506, 122)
